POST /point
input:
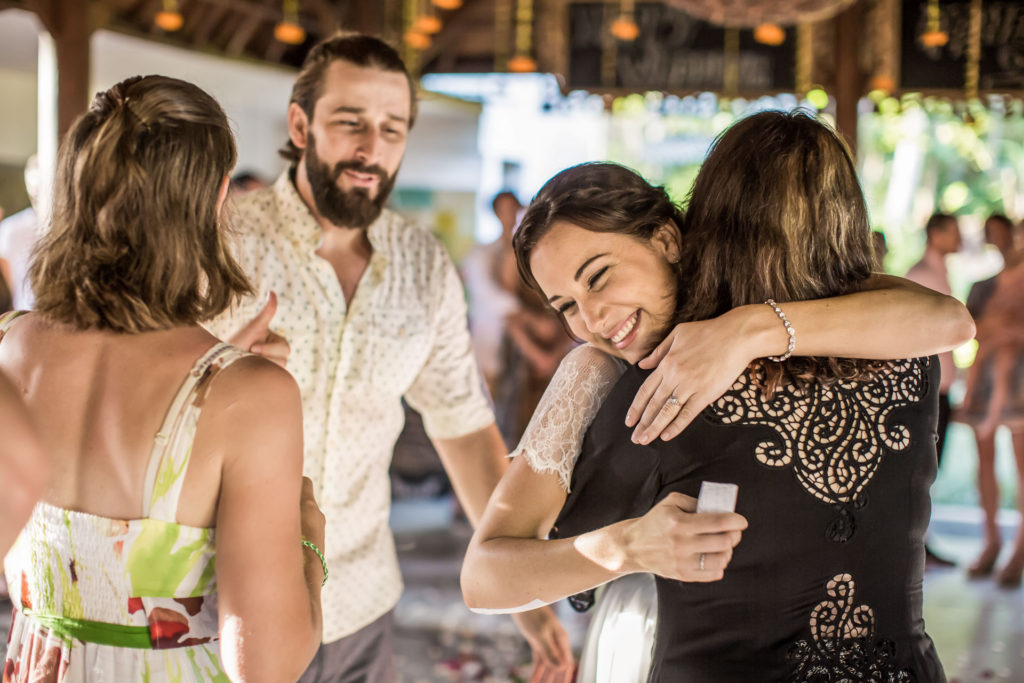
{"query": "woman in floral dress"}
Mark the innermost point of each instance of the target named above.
(169, 543)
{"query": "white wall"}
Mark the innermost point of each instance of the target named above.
(254, 96)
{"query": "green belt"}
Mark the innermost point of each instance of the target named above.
(98, 632)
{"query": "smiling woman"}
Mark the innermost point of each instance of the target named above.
(622, 265)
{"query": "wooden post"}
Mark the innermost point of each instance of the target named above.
(69, 24)
(849, 77)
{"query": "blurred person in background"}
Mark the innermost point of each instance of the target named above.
(18, 236)
(176, 539)
(246, 181)
(492, 282)
(533, 344)
(995, 392)
(942, 238)
(372, 311)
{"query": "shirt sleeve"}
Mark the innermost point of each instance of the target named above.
(449, 392)
(552, 440)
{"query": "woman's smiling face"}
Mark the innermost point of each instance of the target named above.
(615, 291)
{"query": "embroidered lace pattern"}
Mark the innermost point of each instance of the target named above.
(552, 440)
(842, 646)
(833, 436)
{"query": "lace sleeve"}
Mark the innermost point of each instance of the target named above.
(552, 440)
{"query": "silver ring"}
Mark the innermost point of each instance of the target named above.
(701, 565)
(672, 400)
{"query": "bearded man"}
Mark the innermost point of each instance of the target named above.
(369, 309)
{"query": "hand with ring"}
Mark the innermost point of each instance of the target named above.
(695, 364)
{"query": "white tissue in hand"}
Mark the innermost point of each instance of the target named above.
(715, 497)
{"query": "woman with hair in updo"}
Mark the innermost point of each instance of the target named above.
(831, 446)
(169, 544)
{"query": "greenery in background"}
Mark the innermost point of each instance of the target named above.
(665, 138)
(918, 155)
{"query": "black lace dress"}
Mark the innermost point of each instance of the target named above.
(826, 583)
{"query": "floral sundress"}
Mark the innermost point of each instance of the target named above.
(100, 599)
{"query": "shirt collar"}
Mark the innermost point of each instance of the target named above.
(302, 227)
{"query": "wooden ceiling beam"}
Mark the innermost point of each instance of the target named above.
(215, 14)
(245, 32)
(455, 26)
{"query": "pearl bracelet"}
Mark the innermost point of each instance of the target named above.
(789, 331)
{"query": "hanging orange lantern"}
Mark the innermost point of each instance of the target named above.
(448, 4)
(169, 18)
(289, 33)
(288, 30)
(884, 83)
(522, 64)
(416, 40)
(624, 28)
(933, 35)
(427, 24)
(769, 34)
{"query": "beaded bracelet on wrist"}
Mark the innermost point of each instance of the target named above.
(789, 331)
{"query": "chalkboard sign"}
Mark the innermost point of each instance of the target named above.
(674, 52)
(1002, 46)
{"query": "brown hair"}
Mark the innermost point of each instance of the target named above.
(355, 48)
(938, 222)
(777, 212)
(135, 243)
(600, 197)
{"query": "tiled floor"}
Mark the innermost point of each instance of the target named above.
(978, 628)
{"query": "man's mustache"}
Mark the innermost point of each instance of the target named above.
(358, 167)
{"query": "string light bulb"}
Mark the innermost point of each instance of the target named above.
(169, 18)
(448, 4)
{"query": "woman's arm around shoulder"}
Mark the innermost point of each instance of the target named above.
(888, 318)
(268, 588)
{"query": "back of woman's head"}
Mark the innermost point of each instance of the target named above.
(776, 212)
(600, 197)
(135, 243)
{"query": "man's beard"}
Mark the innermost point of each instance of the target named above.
(353, 208)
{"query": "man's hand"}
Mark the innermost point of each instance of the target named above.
(552, 654)
(257, 337)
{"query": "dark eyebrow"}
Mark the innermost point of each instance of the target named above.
(579, 271)
(345, 109)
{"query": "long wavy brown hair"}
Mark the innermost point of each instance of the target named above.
(135, 243)
(777, 212)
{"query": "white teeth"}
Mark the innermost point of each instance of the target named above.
(621, 334)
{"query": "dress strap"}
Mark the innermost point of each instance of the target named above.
(172, 448)
(7, 319)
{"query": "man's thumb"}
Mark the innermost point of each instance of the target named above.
(256, 329)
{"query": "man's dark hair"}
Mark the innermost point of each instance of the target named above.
(504, 194)
(938, 223)
(355, 48)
